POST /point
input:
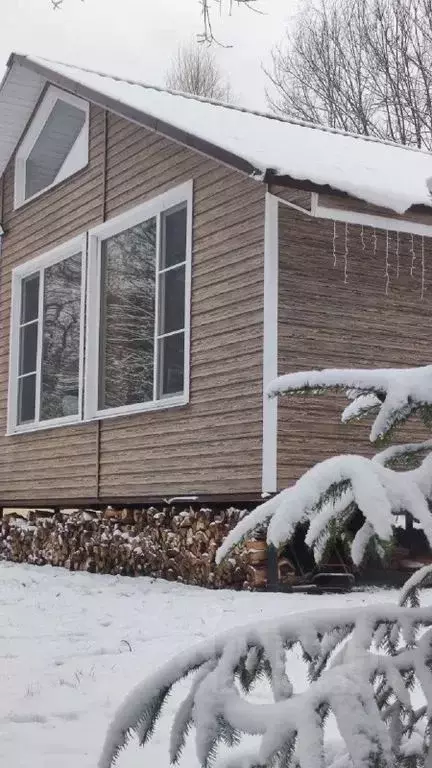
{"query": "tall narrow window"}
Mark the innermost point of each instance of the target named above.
(127, 316)
(28, 344)
(172, 303)
(59, 395)
(48, 346)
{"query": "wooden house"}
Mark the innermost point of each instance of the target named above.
(163, 258)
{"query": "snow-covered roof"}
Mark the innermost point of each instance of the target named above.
(378, 172)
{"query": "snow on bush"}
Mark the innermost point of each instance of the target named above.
(332, 490)
(370, 668)
(401, 391)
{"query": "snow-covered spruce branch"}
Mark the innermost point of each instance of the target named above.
(327, 492)
(410, 593)
(400, 391)
(365, 666)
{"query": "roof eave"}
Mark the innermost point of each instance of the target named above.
(206, 148)
(272, 178)
(147, 121)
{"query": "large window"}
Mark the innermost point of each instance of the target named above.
(128, 295)
(47, 339)
(54, 146)
(140, 283)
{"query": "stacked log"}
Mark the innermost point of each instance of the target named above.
(164, 543)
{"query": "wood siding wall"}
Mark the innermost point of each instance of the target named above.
(211, 446)
(325, 322)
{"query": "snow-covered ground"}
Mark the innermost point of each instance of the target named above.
(73, 644)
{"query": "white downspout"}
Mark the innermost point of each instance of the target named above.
(270, 343)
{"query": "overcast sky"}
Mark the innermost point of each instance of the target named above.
(136, 38)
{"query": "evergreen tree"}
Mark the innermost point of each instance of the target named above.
(370, 668)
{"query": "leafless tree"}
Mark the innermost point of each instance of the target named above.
(359, 65)
(194, 69)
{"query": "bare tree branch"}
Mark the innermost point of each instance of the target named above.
(207, 6)
(359, 65)
(207, 11)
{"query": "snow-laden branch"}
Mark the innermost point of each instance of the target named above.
(358, 660)
(400, 391)
(363, 405)
(328, 489)
(410, 592)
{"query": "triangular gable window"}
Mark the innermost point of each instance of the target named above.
(54, 147)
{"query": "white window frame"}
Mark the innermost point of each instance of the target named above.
(39, 264)
(152, 209)
(32, 134)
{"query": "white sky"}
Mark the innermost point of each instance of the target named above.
(136, 38)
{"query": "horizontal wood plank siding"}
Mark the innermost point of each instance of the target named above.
(295, 196)
(55, 463)
(213, 445)
(325, 322)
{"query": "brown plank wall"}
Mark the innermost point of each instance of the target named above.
(211, 446)
(325, 322)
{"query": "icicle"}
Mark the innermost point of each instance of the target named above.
(397, 254)
(334, 245)
(362, 238)
(374, 237)
(413, 256)
(346, 255)
(422, 268)
(387, 265)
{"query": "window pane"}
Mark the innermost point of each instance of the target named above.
(174, 237)
(28, 348)
(53, 145)
(26, 398)
(171, 365)
(30, 298)
(172, 300)
(61, 339)
(128, 316)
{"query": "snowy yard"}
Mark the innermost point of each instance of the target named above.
(73, 644)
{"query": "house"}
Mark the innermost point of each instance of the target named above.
(163, 258)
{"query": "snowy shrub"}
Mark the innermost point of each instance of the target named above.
(366, 704)
(396, 480)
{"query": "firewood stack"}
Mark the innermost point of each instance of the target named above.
(165, 543)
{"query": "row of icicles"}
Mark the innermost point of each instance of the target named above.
(344, 255)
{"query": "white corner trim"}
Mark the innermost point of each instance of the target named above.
(314, 203)
(270, 344)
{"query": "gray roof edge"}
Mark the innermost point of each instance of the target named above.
(190, 140)
(235, 107)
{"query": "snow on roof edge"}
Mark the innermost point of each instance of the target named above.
(217, 103)
(257, 143)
